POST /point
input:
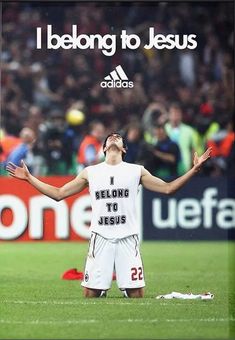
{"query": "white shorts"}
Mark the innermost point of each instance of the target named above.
(106, 256)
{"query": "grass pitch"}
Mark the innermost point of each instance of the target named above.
(36, 303)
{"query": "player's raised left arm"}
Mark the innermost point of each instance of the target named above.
(153, 183)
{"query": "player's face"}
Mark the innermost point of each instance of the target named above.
(115, 139)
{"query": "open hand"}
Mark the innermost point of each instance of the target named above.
(17, 171)
(198, 161)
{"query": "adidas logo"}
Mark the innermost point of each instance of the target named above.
(117, 78)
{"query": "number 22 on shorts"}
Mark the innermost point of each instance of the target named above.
(136, 273)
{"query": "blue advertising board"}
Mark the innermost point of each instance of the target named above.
(204, 209)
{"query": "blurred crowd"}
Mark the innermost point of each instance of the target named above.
(182, 100)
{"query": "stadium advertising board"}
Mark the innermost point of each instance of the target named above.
(26, 215)
(201, 210)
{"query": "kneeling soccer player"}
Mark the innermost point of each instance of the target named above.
(114, 243)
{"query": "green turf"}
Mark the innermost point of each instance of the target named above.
(36, 303)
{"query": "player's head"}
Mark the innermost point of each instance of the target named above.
(117, 140)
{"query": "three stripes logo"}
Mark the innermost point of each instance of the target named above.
(117, 78)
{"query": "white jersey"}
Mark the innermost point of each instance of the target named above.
(113, 190)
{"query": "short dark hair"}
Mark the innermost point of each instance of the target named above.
(123, 140)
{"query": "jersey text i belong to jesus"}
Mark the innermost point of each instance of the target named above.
(114, 193)
(113, 190)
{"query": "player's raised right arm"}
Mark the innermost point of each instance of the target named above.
(73, 187)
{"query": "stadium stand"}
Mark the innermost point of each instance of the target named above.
(35, 83)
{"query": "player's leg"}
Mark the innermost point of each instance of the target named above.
(135, 292)
(129, 267)
(99, 267)
(93, 293)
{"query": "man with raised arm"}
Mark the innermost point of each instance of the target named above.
(113, 186)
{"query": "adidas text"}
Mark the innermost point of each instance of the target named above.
(117, 84)
(117, 78)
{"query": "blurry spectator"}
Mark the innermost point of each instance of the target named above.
(35, 118)
(187, 67)
(91, 144)
(154, 113)
(23, 150)
(165, 155)
(134, 141)
(57, 140)
(11, 104)
(43, 96)
(212, 55)
(205, 128)
(35, 122)
(181, 134)
(222, 144)
(7, 144)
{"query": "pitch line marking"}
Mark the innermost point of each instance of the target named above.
(82, 321)
(54, 302)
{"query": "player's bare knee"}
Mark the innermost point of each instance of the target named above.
(91, 293)
(135, 293)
